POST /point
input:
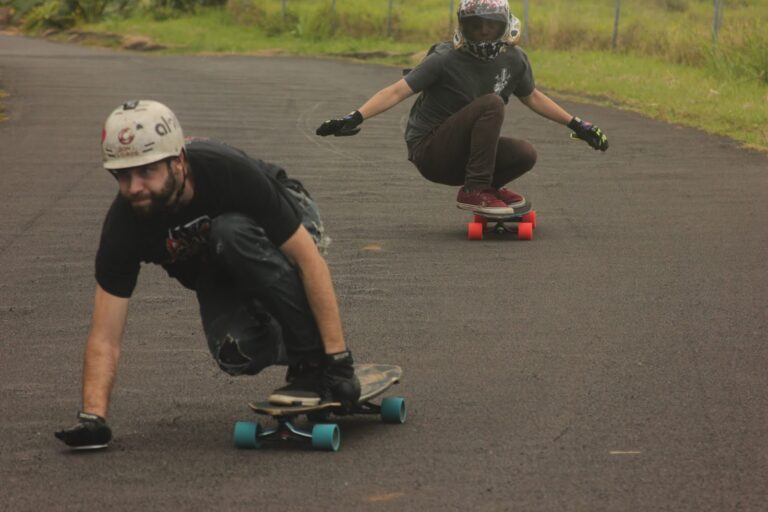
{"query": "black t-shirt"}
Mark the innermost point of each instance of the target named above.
(451, 79)
(225, 180)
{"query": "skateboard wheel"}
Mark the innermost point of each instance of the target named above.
(326, 437)
(480, 220)
(246, 434)
(475, 231)
(530, 217)
(525, 231)
(393, 410)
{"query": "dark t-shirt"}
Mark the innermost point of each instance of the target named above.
(451, 79)
(225, 180)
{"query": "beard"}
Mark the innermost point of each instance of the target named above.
(149, 204)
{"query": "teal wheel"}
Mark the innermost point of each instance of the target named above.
(326, 436)
(393, 410)
(247, 434)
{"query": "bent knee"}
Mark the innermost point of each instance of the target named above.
(491, 102)
(227, 228)
(530, 155)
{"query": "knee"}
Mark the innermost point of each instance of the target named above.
(236, 241)
(529, 156)
(246, 342)
(491, 102)
(228, 229)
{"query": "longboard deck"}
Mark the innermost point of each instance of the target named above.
(518, 212)
(374, 380)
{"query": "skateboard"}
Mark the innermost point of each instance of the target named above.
(375, 379)
(522, 223)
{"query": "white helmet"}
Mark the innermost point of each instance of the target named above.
(138, 133)
(497, 10)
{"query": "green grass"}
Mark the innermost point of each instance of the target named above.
(3, 94)
(665, 66)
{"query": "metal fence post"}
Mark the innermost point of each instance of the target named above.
(526, 30)
(615, 38)
(450, 17)
(716, 21)
(284, 8)
(389, 19)
(333, 16)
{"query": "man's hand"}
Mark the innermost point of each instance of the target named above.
(590, 133)
(91, 432)
(339, 379)
(347, 125)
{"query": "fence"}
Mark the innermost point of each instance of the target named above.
(451, 6)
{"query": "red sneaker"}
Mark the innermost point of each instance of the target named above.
(510, 198)
(482, 201)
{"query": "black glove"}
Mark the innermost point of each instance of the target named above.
(590, 133)
(89, 433)
(347, 125)
(339, 381)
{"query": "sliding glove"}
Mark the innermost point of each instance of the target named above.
(90, 432)
(347, 125)
(339, 381)
(590, 133)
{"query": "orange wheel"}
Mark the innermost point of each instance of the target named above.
(475, 231)
(530, 217)
(525, 231)
(480, 220)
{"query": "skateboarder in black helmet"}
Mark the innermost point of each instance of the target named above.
(238, 232)
(453, 132)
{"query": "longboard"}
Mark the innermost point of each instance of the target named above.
(522, 223)
(375, 379)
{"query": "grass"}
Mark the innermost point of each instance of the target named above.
(3, 94)
(665, 66)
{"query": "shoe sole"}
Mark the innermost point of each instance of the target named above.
(498, 210)
(517, 204)
(293, 400)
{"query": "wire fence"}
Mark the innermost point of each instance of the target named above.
(451, 7)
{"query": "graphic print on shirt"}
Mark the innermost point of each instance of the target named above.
(502, 79)
(189, 240)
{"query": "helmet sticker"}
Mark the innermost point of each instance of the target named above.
(125, 136)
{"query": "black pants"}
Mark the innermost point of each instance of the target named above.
(253, 306)
(467, 149)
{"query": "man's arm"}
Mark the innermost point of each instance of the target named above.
(99, 368)
(316, 277)
(378, 103)
(546, 107)
(103, 350)
(386, 99)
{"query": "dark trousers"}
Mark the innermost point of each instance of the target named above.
(253, 306)
(467, 149)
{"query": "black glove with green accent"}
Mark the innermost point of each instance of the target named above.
(590, 133)
(91, 432)
(339, 381)
(347, 125)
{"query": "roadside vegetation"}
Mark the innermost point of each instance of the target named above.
(3, 94)
(666, 62)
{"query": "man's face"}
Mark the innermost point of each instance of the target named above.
(479, 30)
(148, 188)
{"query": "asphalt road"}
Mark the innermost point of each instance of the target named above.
(617, 362)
